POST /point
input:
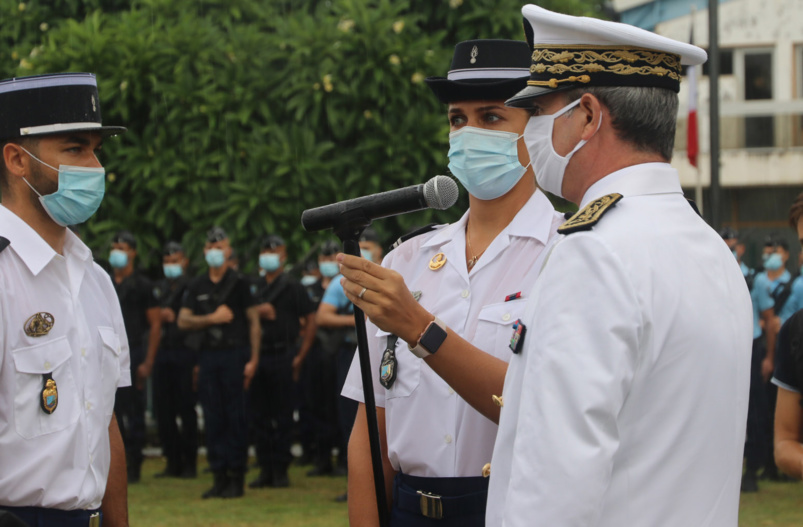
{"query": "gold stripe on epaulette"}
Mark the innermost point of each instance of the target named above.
(589, 215)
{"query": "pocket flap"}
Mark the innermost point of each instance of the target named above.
(110, 339)
(42, 358)
(504, 313)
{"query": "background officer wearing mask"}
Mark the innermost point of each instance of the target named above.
(218, 304)
(63, 349)
(173, 392)
(142, 317)
(281, 303)
(474, 276)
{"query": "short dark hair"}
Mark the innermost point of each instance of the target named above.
(125, 237)
(645, 117)
(796, 212)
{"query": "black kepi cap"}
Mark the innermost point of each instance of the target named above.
(272, 241)
(484, 70)
(216, 234)
(51, 104)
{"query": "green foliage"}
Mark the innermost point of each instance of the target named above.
(243, 113)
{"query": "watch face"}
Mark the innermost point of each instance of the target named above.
(433, 337)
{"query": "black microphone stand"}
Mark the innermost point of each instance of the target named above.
(349, 229)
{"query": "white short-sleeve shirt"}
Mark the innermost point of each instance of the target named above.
(61, 459)
(627, 405)
(432, 431)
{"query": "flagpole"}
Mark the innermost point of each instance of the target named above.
(692, 138)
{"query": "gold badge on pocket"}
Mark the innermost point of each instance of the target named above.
(39, 325)
(50, 393)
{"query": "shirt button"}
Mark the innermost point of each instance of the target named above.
(464, 294)
(91, 458)
(451, 390)
(88, 405)
(47, 365)
(447, 439)
(506, 317)
(83, 352)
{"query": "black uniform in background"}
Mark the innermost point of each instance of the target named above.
(272, 393)
(173, 393)
(136, 294)
(224, 351)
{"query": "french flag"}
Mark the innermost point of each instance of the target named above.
(692, 144)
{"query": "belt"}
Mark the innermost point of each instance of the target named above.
(56, 517)
(440, 498)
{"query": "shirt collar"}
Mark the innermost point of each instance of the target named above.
(32, 249)
(534, 220)
(636, 180)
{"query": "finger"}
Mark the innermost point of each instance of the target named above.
(362, 271)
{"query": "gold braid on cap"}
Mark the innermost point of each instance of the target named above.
(584, 60)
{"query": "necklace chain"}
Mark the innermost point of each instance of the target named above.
(471, 262)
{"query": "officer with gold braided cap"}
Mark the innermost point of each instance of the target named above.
(628, 400)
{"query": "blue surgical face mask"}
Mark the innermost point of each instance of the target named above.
(486, 162)
(307, 280)
(367, 255)
(269, 262)
(329, 269)
(79, 194)
(118, 259)
(215, 257)
(172, 271)
(773, 262)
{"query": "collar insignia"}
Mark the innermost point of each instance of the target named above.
(585, 219)
(39, 325)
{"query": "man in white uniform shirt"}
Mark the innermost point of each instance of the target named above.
(63, 346)
(628, 401)
(474, 276)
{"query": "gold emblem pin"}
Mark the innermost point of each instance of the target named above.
(486, 470)
(437, 261)
(39, 325)
(498, 400)
(50, 394)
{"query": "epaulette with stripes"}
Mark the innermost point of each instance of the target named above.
(413, 234)
(585, 219)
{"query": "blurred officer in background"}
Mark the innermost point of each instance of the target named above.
(63, 347)
(143, 323)
(173, 392)
(322, 368)
(336, 313)
(219, 307)
(281, 302)
(789, 375)
(731, 238)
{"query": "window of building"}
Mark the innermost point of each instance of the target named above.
(754, 69)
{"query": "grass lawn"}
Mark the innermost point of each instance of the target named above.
(309, 502)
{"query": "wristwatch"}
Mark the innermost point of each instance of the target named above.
(430, 340)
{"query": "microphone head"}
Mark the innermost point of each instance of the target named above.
(440, 192)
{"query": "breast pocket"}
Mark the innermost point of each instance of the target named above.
(32, 364)
(495, 327)
(109, 365)
(408, 370)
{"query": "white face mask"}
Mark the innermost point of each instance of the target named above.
(549, 167)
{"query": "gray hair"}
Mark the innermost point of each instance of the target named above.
(645, 117)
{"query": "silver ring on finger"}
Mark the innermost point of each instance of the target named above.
(364, 289)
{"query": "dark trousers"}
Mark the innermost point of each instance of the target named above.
(346, 408)
(272, 399)
(39, 517)
(757, 441)
(220, 390)
(129, 406)
(323, 399)
(462, 501)
(174, 398)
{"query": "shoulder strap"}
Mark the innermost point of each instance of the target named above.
(228, 286)
(413, 234)
(590, 215)
(781, 294)
(275, 289)
(4, 243)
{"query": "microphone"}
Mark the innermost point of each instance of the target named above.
(438, 193)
